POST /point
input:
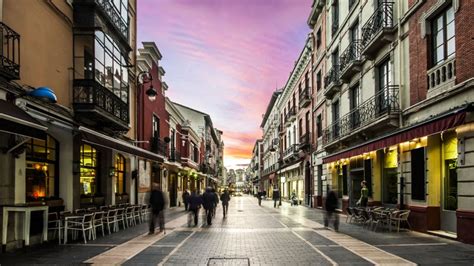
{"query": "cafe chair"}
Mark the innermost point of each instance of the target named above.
(109, 219)
(398, 218)
(54, 224)
(129, 216)
(98, 221)
(120, 217)
(137, 213)
(76, 224)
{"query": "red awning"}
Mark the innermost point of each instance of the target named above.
(271, 176)
(416, 131)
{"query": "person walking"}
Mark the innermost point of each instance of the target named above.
(364, 194)
(260, 196)
(216, 201)
(225, 198)
(208, 199)
(157, 202)
(294, 200)
(195, 202)
(186, 199)
(331, 205)
(276, 196)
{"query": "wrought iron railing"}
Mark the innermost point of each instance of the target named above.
(292, 149)
(10, 53)
(89, 92)
(305, 96)
(351, 54)
(381, 19)
(291, 113)
(175, 156)
(114, 16)
(384, 103)
(332, 77)
(158, 146)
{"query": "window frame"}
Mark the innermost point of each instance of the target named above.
(434, 45)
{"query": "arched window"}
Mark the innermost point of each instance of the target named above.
(89, 184)
(41, 168)
(119, 174)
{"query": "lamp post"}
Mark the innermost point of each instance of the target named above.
(151, 92)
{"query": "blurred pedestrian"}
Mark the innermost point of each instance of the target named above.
(260, 196)
(186, 199)
(225, 198)
(331, 206)
(276, 196)
(157, 202)
(195, 202)
(208, 199)
(216, 201)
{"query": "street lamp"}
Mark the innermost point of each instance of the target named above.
(151, 92)
(43, 94)
(273, 150)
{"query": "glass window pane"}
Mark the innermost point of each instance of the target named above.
(99, 52)
(124, 12)
(108, 71)
(439, 38)
(450, 30)
(451, 47)
(117, 77)
(439, 54)
(99, 35)
(108, 44)
(439, 23)
(449, 15)
(99, 73)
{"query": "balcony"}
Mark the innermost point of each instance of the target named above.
(441, 77)
(292, 150)
(290, 116)
(351, 61)
(305, 97)
(84, 17)
(158, 146)
(332, 82)
(378, 31)
(175, 156)
(376, 115)
(10, 53)
(96, 106)
(304, 140)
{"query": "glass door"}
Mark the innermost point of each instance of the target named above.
(449, 187)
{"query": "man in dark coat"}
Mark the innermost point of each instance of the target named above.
(331, 206)
(157, 202)
(208, 199)
(225, 198)
(216, 201)
(186, 199)
(195, 202)
(276, 196)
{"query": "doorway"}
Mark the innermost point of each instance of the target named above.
(357, 176)
(449, 187)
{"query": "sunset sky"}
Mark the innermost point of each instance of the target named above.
(226, 57)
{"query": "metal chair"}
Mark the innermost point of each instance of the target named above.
(55, 224)
(137, 213)
(109, 219)
(120, 217)
(98, 221)
(80, 211)
(399, 217)
(129, 216)
(79, 223)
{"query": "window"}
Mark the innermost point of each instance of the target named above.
(318, 80)
(41, 169)
(354, 32)
(384, 81)
(443, 36)
(335, 58)
(119, 174)
(88, 171)
(344, 180)
(307, 124)
(353, 104)
(306, 82)
(319, 126)
(335, 17)
(156, 127)
(335, 118)
(418, 174)
(318, 38)
(300, 127)
(109, 68)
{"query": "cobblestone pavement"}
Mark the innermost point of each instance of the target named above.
(254, 235)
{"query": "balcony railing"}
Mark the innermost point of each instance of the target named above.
(304, 139)
(108, 8)
(290, 116)
(175, 156)
(10, 53)
(158, 146)
(88, 95)
(305, 97)
(291, 150)
(332, 80)
(384, 103)
(442, 73)
(349, 58)
(381, 19)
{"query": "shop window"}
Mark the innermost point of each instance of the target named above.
(319, 126)
(389, 176)
(89, 170)
(418, 171)
(41, 169)
(119, 174)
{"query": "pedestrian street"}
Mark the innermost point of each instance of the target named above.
(252, 235)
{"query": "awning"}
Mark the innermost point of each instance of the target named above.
(291, 167)
(214, 179)
(426, 128)
(15, 120)
(98, 139)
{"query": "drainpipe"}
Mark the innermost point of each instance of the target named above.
(400, 98)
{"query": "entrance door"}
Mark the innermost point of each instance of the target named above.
(449, 187)
(357, 176)
(172, 181)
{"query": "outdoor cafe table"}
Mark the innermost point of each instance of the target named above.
(26, 221)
